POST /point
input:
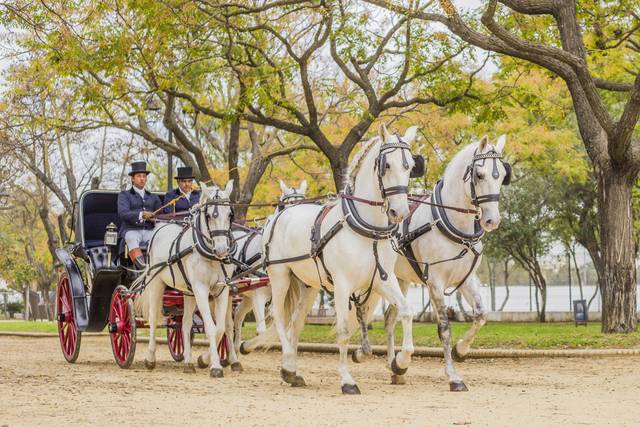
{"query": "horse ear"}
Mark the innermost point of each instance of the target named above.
(303, 187)
(502, 140)
(228, 189)
(483, 144)
(410, 134)
(204, 190)
(384, 134)
(283, 187)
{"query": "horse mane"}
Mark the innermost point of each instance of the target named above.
(466, 151)
(358, 158)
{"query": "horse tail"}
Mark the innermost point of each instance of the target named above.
(142, 304)
(269, 338)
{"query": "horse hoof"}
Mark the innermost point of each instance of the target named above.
(237, 367)
(189, 368)
(288, 376)
(458, 386)
(149, 365)
(398, 379)
(350, 389)
(457, 356)
(216, 373)
(358, 356)
(396, 369)
(224, 363)
(298, 381)
(243, 350)
(201, 363)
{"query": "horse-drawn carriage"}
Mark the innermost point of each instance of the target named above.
(94, 289)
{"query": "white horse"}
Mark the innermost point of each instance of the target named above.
(446, 243)
(351, 252)
(249, 251)
(202, 247)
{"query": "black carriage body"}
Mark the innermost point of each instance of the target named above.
(96, 209)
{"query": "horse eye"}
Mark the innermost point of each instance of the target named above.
(480, 175)
(386, 166)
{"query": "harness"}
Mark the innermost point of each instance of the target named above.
(352, 218)
(444, 225)
(202, 243)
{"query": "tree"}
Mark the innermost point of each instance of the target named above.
(115, 61)
(528, 208)
(327, 70)
(575, 41)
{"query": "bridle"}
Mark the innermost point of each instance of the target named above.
(203, 242)
(471, 176)
(288, 198)
(381, 166)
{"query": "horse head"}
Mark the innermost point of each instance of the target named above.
(486, 174)
(291, 193)
(394, 166)
(215, 204)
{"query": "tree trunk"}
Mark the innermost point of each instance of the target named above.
(506, 284)
(577, 270)
(542, 316)
(618, 283)
(232, 160)
(339, 168)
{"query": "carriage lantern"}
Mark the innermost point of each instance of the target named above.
(111, 235)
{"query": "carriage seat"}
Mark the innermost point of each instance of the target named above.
(99, 257)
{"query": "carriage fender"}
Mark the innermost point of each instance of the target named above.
(80, 309)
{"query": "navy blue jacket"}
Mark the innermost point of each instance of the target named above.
(130, 205)
(182, 204)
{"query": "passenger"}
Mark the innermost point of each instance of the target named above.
(136, 207)
(189, 197)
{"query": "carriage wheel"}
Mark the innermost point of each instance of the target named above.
(122, 327)
(174, 339)
(223, 350)
(68, 332)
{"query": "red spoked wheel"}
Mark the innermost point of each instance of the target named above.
(68, 332)
(223, 350)
(175, 338)
(122, 327)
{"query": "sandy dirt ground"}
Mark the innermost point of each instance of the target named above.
(37, 387)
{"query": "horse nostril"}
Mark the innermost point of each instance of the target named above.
(489, 222)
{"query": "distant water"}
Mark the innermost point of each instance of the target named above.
(519, 298)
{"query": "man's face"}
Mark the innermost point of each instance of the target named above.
(139, 180)
(185, 185)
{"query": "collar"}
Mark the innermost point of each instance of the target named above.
(186, 195)
(441, 220)
(142, 193)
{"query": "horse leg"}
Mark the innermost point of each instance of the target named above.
(241, 312)
(390, 320)
(187, 324)
(392, 292)
(302, 309)
(236, 366)
(155, 289)
(472, 296)
(260, 300)
(280, 283)
(362, 317)
(444, 332)
(341, 306)
(201, 293)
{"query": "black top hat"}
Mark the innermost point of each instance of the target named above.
(185, 173)
(138, 167)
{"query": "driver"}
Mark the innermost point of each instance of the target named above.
(136, 210)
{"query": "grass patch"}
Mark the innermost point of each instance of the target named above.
(492, 335)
